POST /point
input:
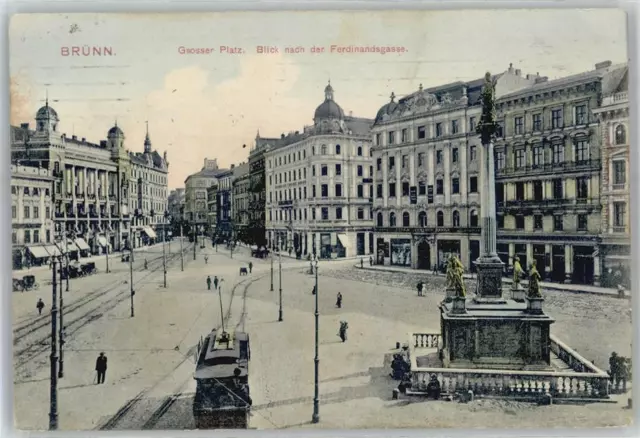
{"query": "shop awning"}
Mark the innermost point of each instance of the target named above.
(82, 244)
(53, 250)
(343, 239)
(70, 246)
(102, 241)
(149, 231)
(38, 252)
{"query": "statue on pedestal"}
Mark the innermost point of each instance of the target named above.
(517, 272)
(534, 282)
(455, 281)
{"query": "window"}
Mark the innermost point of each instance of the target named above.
(520, 158)
(440, 219)
(324, 190)
(313, 191)
(48, 236)
(582, 187)
(405, 189)
(337, 149)
(472, 124)
(405, 219)
(359, 170)
(619, 174)
(323, 149)
(537, 190)
(359, 151)
(582, 222)
(36, 236)
(558, 153)
(422, 188)
(558, 192)
(581, 115)
(519, 222)
(378, 139)
(360, 191)
(582, 151)
(14, 190)
(392, 162)
(392, 219)
(26, 212)
(499, 164)
(454, 155)
(621, 134)
(323, 170)
(518, 123)
(313, 213)
(371, 192)
(520, 191)
(379, 191)
(422, 132)
(338, 169)
(619, 213)
(360, 213)
(537, 222)
(556, 118)
(324, 213)
(370, 171)
(420, 159)
(557, 223)
(438, 129)
(392, 137)
(379, 164)
(422, 219)
(338, 212)
(455, 219)
(473, 153)
(379, 220)
(439, 157)
(439, 186)
(473, 218)
(537, 156)
(392, 190)
(36, 212)
(27, 236)
(338, 190)
(473, 184)
(500, 221)
(404, 136)
(537, 122)
(26, 191)
(454, 126)
(455, 185)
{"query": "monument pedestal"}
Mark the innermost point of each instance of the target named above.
(534, 305)
(518, 294)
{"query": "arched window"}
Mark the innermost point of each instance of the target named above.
(440, 219)
(621, 135)
(359, 151)
(473, 218)
(379, 219)
(422, 219)
(392, 219)
(456, 218)
(337, 149)
(405, 219)
(323, 149)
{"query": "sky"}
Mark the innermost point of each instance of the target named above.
(209, 105)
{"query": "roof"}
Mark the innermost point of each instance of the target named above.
(46, 112)
(207, 173)
(358, 125)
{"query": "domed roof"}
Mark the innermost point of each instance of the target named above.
(328, 109)
(387, 108)
(46, 112)
(115, 131)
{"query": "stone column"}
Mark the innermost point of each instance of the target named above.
(596, 269)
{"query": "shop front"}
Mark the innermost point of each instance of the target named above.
(446, 249)
(401, 252)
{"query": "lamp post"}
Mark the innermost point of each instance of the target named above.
(181, 251)
(61, 328)
(271, 290)
(280, 281)
(221, 311)
(106, 249)
(66, 243)
(316, 361)
(133, 292)
(195, 240)
(164, 253)
(53, 400)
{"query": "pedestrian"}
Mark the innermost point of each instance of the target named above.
(215, 282)
(313, 291)
(250, 267)
(101, 367)
(370, 260)
(206, 260)
(343, 330)
(339, 301)
(39, 306)
(419, 288)
(361, 263)
(435, 269)
(146, 264)
(208, 282)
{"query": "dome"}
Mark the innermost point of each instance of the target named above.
(328, 110)
(46, 112)
(115, 131)
(388, 108)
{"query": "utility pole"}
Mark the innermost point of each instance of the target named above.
(280, 280)
(61, 328)
(133, 292)
(53, 401)
(66, 243)
(181, 251)
(106, 250)
(271, 267)
(195, 240)
(316, 361)
(164, 254)
(221, 311)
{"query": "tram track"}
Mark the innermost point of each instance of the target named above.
(170, 400)
(41, 344)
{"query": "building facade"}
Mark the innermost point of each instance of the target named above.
(240, 199)
(426, 172)
(613, 114)
(212, 210)
(548, 165)
(257, 191)
(32, 219)
(318, 186)
(224, 206)
(196, 185)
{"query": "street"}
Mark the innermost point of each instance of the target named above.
(149, 382)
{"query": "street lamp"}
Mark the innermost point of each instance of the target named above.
(164, 253)
(280, 281)
(106, 248)
(221, 311)
(271, 244)
(181, 251)
(53, 358)
(316, 361)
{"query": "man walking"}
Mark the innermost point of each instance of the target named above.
(420, 286)
(101, 367)
(339, 301)
(250, 267)
(39, 306)
(206, 260)
(208, 282)
(215, 282)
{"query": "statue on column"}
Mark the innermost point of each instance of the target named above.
(455, 271)
(534, 282)
(487, 127)
(517, 272)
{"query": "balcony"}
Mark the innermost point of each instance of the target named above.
(565, 166)
(616, 98)
(619, 229)
(546, 203)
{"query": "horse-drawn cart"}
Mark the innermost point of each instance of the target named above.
(28, 282)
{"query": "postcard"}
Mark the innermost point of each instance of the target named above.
(321, 219)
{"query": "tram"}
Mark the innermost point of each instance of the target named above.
(222, 398)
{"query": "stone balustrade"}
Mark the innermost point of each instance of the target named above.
(572, 358)
(426, 340)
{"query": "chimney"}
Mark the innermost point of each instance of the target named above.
(73, 137)
(510, 67)
(24, 126)
(282, 135)
(518, 72)
(603, 64)
(83, 139)
(233, 165)
(103, 143)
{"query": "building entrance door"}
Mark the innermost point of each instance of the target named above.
(360, 243)
(557, 273)
(424, 255)
(583, 264)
